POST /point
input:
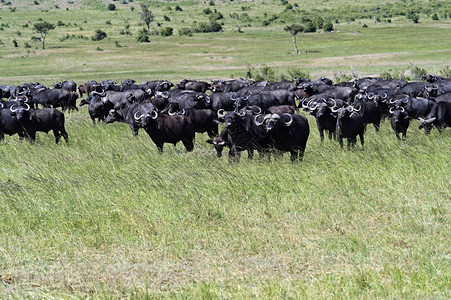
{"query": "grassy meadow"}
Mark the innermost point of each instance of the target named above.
(108, 217)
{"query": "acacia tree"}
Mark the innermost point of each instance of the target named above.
(146, 15)
(43, 28)
(294, 29)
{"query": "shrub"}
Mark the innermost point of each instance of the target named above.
(143, 36)
(435, 17)
(411, 15)
(446, 72)
(298, 73)
(60, 23)
(328, 26)
(178, 8)
(166, 18)
(111, 6)
(417, 72)
(208, 27)
(167, 31)
(185, 31)
(99, 35)
(206, 11)
(309, 27)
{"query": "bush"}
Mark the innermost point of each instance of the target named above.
(111, 6)
(207, 11)
(309, 27)
(143, 36)
(178, 8)
(99, 35)
(60, 23)
(411, 15)
(166, 18)
(167, 31)
(213, 26)
(328, 26)
(297, 73)
(417, 72)
(446, 72)
(435, 17)
(185, 31)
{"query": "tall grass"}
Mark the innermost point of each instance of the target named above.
(106, 216)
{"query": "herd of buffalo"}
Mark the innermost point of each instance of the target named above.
(257, 115)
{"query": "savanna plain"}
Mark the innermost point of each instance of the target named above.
(106, 216)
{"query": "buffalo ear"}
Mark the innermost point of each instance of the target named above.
(209, 141)
(421, 126)
(217, 121)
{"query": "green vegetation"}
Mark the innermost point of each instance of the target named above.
(107, 217)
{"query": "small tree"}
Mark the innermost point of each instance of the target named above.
(294, 29)
(146, 16)
(43, 28)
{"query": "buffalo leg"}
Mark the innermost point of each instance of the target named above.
(250, 153)
(189, 145)
(377, 125)
(57, 135)
(321, 134)
(134, 130)
(294, 155)
(397, 135)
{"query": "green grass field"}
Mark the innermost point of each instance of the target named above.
(108, 217)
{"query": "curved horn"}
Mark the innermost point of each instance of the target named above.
(289, 122)
(391, 110)
(99, 94)
(333, 100)
(435, 87)
(258, 109)
(233, 98)
(391, 101)
(153, 114)
(257, 122)
(12, 109)
(403, 110)
(428, 121)
(221, 113)
(314, 107)
(182, 111)
(384, 96)
(406, 100)
(28, 107)
(136, 117)
(370, 96)
(242, 113)
(356, 110)
(2, 106)
(263, 121)
(303, 104)
(334, 110)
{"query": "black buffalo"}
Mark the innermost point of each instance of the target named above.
(169, 129)
(349, 125)
(288, 133)
(400, 121)
(439, 116)
(132, 115)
